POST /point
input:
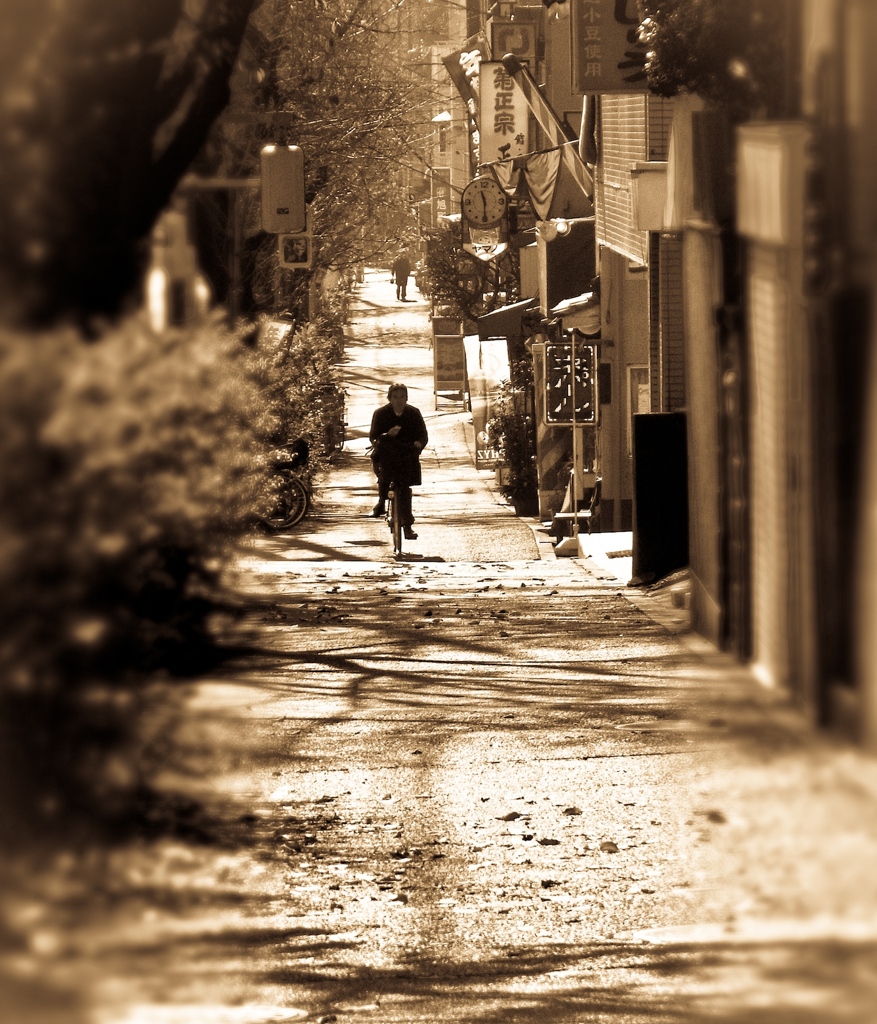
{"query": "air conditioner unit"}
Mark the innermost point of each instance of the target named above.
(648, 182)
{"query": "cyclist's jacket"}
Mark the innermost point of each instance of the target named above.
(396, 457)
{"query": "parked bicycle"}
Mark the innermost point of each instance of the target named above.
(290, 496)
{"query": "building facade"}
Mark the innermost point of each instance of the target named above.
(735, 274)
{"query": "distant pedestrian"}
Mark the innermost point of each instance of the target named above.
(401, 270)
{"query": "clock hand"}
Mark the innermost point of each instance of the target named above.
(484, 203)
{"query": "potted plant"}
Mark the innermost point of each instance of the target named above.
(511, 430)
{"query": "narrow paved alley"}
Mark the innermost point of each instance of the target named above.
(477, 784)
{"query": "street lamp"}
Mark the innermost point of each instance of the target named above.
(548, 230)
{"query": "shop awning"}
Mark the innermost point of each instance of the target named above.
(505, 322)
(582, 312)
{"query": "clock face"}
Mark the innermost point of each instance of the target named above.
(484, 202)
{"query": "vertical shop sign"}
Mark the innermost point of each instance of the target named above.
(570, 398)
(441, 194)
(503, 120)
(607, 53)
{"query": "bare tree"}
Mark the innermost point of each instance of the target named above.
(335, 78)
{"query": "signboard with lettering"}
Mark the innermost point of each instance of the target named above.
(462, 66)
(442, 198)
(607, 53)
(517, 37)
(485, 243)
(449, 364)
(503, 120)
(559, 384)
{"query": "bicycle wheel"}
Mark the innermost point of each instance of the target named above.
(395, 523)
(292, 504)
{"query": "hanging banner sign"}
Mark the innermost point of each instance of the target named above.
(503, 119)
(607, 53)
(462, 66)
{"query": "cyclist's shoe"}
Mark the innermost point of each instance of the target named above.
(379, 510)
(409, 533)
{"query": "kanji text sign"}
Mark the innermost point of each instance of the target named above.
(442, 197)
(559, 384)
(503, 121)
(607, 53)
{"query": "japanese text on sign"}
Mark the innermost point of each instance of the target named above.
(569, 398)
(504, 115)
(607, 53)
(441, 193)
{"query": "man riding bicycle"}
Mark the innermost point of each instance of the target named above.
(398, 434)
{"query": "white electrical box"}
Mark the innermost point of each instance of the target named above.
(283, 190)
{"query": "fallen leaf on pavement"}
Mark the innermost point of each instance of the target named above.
(609, 847)
(571, 811)
(548, 842)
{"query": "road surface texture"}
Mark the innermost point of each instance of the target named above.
(476, 784)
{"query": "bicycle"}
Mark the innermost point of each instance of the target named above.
(290, 496)
(394, 519)
(396, 511)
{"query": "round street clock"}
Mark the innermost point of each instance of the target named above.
(484, 202)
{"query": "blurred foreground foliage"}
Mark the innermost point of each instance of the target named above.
(734, 55)
(132, 465)
(104, 104)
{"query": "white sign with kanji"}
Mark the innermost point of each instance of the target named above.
(504, 116)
